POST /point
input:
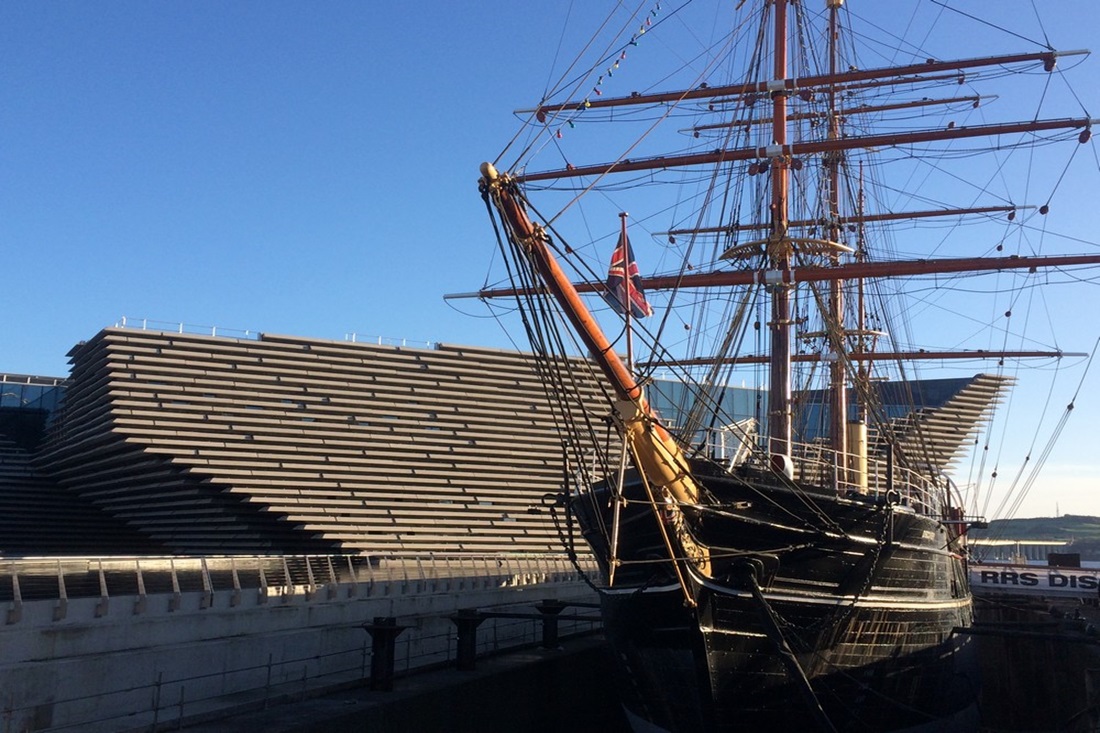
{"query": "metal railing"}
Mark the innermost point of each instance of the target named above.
(360, 338)
(818, 464)
(284, 576)
(147, 324)
(31, 380)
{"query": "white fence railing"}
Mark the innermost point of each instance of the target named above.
(147, 324)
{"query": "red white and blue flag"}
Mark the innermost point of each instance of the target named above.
(624, 284)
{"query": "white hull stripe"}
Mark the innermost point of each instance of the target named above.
(863, 602)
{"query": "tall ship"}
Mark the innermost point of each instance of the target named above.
(798, 562)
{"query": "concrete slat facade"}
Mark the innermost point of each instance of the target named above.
(196, 444)
(212, 444)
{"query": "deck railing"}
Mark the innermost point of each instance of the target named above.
(818, 464)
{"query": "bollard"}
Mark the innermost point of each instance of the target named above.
(384, 632)
(550, 609)
(467, 621)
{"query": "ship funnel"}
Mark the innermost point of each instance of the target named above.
(857, 457)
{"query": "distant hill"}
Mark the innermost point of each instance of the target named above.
(1068, 527)
(1082, 533)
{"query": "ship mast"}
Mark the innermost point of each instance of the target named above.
(779, 233)
(834, 326)
(779, 258)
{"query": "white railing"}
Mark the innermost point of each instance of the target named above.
(60, 579)
(146, 324)
(911, 488)
(360, 338)
(817, 464)
(29, 380)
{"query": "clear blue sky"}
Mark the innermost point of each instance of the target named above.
(289, 167)
(306, 168)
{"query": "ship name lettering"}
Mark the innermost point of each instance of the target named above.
(1011, 577)
(1057, 580)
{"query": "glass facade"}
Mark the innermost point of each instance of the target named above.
(28, 406)
(673, 399)
(33, 393)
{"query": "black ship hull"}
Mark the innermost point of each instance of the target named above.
(825, 613)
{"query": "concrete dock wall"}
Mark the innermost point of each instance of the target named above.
(132, 663)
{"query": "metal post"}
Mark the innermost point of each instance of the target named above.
(889, 471)
(176, 600)
(62, 607)
(156, 701)
(207, 599)
(235, 599)
(102, 606)
(179, 715)
(333, 588)
(140, 602)
(261, 594)
(288, 584)
(267, 685)
(312, 588)
(15, 612)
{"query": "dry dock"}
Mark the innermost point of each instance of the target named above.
(535, 690)
(1040, 660)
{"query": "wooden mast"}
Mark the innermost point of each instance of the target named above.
(779, 258)
(834, 321)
